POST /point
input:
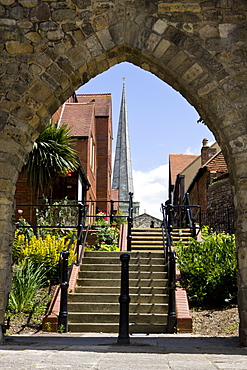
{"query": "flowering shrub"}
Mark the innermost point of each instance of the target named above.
(101, 219)
(41, 251)
(107, 236)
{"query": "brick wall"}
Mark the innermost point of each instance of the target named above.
(104, 157)
(24, 195)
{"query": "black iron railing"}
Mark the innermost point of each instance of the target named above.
(184, 216)
(124, 301)
(170, 260)
(130, 222)
(65, 271)
(189, 215)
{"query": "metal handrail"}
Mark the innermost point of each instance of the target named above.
(170, 260)
(191, 222)
(130, 222)
(65, 271)
(183, 216)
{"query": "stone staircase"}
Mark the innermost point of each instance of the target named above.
(151, 240)
(94, 307)
(148, 240)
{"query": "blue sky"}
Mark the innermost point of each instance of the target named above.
(161, 122)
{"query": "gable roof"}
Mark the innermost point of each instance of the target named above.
(217, 163)
(102, 103)
(78, 118)
(178, 162)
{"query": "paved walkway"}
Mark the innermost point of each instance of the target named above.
(100, 352)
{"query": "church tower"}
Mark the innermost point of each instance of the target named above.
(122, 171)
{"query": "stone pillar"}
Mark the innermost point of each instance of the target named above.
(14, 147)
(241, 240)
(6, 239)
(238, 171)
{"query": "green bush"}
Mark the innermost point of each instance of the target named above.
(27, 280)
(209, 269)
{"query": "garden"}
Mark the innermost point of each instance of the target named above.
(208, 272)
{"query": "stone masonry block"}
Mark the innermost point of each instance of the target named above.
(105, 39)
(161, 48)
(152, 42)
(160, 26)
(16, 47)
(166, 7)
(192, 73)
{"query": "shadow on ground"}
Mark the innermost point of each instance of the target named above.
(138, 344)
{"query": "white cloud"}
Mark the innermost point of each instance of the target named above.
(189, 151)
(197, 151)
(151, 189)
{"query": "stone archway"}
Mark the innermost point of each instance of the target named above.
(49, 49)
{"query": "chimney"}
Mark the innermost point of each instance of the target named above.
(206, 152)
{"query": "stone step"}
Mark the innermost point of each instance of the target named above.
(116, 267)
(105, 290)
(146, 235)
(159, 260)
(145, 241)
(105, 254)
(114, 328)
(148, 248)
(98, 317)
(114, 298)
(117, 282)
(147, 230)
(113, 308)
(117, 275)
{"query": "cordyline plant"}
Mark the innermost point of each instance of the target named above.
(51, 157)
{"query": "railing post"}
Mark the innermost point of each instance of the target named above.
(63, 313)
(130, 222)
(112, 212)
(79, 228)
(171, 290)
(124, 300)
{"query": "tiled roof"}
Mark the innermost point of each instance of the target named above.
(217, 163)
(78, 117)
(102, 103)
(178, 162)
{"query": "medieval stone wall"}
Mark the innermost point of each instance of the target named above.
(220, 194)
(50, 48)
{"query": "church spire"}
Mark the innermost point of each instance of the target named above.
(122, 172)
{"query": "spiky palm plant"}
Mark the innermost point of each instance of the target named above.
(51, 157)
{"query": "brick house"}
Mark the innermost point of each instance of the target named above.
(89, 117)
(206, 180)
